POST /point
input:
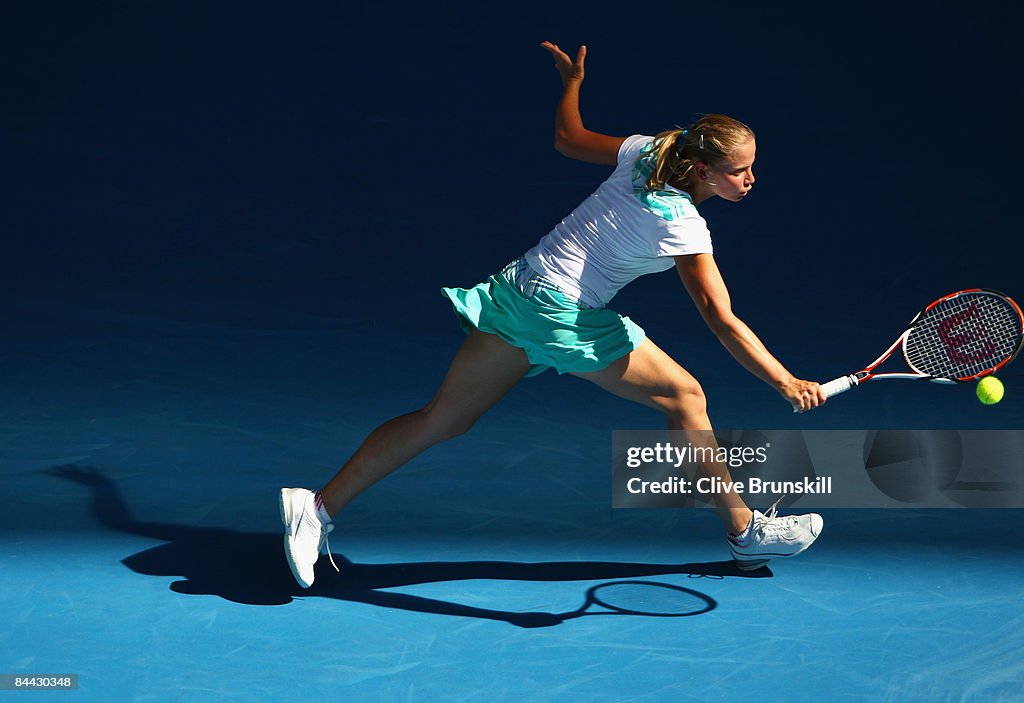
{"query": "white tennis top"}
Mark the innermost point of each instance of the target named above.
(620, 232)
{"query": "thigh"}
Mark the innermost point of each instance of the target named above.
(647, 375)
(485, 368)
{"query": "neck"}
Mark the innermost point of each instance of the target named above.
(699, 191)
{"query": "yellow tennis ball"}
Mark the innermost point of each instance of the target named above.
(990, 390)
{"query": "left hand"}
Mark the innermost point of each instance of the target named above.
(570, 70)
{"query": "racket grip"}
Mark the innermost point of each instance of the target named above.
(839, 385)
(836, 386)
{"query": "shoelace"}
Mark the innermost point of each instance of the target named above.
(324, 530)
(323, 537)
(769, 517)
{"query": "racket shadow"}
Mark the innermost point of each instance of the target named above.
(249, 568)
(643, 598)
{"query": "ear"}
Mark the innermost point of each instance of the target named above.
(702, 170)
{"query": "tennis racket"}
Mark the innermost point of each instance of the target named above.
(960, 337)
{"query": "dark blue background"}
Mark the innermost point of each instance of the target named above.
(243, 161)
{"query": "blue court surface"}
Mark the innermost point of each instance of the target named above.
(225, 233)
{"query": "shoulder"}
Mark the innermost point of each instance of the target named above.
(671, 204)
(632, 147)
(684, 230)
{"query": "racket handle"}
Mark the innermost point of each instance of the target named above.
(839, 385)
(836, 386)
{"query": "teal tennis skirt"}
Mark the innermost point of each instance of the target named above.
(556, 331)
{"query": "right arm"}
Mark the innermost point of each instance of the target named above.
(572, 139)
(703, 281)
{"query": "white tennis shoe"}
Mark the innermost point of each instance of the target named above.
(773, 536)
(304, 534)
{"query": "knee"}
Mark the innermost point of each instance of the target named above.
(685, 400)
(441, 424)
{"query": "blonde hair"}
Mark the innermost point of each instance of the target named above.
(711, 140)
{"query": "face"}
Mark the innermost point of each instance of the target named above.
(733, 179)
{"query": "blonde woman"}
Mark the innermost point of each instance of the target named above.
(548, 309)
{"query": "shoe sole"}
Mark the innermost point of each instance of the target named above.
(286, 519)
(758, 562)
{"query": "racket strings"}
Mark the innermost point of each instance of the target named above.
(964, 336)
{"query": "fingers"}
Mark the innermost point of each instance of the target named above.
(580, 55)
(570, 70)
(554, 50)
(805, 404)
(560, 55)
(808, 396)
(822, 396)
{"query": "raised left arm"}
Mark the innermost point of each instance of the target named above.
(704, 283)
(572, 139)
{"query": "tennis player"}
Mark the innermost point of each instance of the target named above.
(548, 309)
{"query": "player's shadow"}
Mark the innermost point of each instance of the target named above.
(249, 568)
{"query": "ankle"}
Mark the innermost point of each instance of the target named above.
(741, 522)
(321, 508)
